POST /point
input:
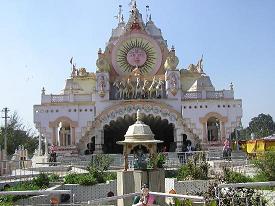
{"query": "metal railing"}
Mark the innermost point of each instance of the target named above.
(101, 201)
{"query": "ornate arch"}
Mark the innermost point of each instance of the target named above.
(213, 114)
(63, 119)
(146, 106)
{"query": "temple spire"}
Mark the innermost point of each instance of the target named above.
(148, 16)
(119, 16)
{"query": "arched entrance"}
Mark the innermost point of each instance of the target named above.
(116, 130)
(213, 129)
(165, 122)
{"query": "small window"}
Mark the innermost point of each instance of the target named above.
(51, 110)
(184, 107)
(80, 110)
(74, 110)
(85, 110)
(219, 105)
(228, 106)
(69, 110)
(56, 110)
(190, 107)
(200, 106)
(223, 106)
(47, 111)
(205, 106)
(195, 107)
(91, 110)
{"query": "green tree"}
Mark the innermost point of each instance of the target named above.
(262, 125)
(18, 134)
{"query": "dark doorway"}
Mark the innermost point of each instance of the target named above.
(116, 130)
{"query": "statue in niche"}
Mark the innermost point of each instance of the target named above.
(102, 62)
(140, 159)
(173, 83)
(101, 86)
(172, 60)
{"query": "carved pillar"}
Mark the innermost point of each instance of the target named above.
(99, 141)
(222, 130)
(178, 139)
(54, 135)
(73, 135)
(204, 132)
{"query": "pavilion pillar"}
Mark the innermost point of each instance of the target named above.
(99, 141)
(54, 135)
(178, 139)
(73, 135)
(204, 132)
(222, 128)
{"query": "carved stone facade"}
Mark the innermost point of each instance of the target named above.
(137, 70)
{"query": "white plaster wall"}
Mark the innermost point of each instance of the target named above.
(193, 115)
(44, 114)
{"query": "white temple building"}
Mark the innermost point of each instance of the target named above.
(137, 70)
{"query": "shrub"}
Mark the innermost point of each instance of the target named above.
(42, 180)
(9, 199)
(157, 161)
(91, 178)
(266, 164)
(185, 202)
(192, 170)
(101, 162)
(72, 178)
(87, 179)
(54, 178)
(234, 177)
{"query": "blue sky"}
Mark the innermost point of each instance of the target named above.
(37, 39)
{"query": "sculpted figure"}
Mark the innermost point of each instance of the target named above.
(199, 66)
(145, 88)
(138, 89)
(130, 88)
(152, 88)
(82, 72)
(173, 84)
(102, 62)
(101, 86)
(172, 60)
(192, 68)
(159, 88)
(119, 92)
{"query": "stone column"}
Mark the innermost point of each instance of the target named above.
(73, 135)
(222, 130)
(54, 135)
(99, 141)
(178, 140)
(204, 132)
(39, 144)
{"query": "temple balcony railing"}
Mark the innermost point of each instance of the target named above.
(63, 98)
(221, 94)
